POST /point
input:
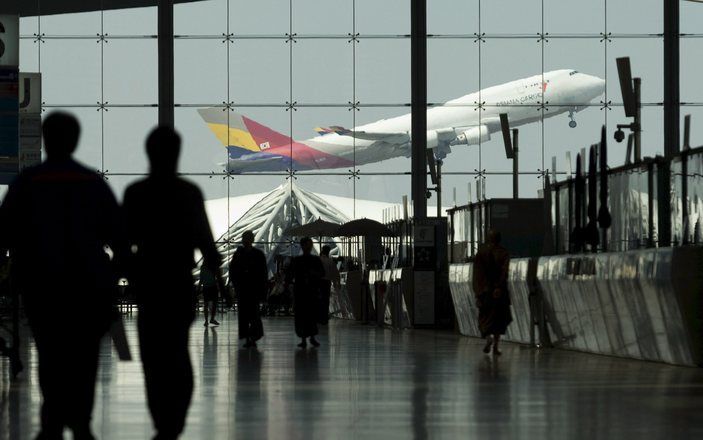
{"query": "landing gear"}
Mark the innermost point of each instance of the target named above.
(572, 122)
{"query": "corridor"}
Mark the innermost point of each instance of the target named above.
(365, 382)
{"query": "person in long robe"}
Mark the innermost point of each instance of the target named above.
(490, 284)
(306, 272)
(248, 274)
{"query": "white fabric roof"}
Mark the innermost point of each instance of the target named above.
(223, 214)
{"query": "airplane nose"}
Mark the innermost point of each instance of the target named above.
(596, 85)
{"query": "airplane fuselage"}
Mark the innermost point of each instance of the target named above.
(467, 120)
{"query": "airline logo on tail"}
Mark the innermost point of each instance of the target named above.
(252, 146)
(240, 134)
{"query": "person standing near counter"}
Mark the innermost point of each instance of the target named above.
(490, 284)
(331, 277)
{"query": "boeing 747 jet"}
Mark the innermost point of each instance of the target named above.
(254, 147)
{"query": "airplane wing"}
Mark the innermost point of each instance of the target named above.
(469, 134)
(249, 163)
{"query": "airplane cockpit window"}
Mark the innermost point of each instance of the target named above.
(573, 72)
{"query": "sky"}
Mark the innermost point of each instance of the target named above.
(322, 72)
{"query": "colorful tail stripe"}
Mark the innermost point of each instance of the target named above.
(236, 130)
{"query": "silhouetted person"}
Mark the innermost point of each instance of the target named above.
(166, 223)
(248, 275)
(208, 285)
(490, 284)
(306, 272)
(330, 277)
(56, 220)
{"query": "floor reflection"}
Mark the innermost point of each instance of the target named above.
(365, 382)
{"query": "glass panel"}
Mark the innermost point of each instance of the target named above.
(444, 84)
(263, 17)
(389, 17)
(511, 17)
(313, 18)
(123, 82)
(201, 151)
(259, 71)
(641, 17)
(126, 130)
(200, 18)
(316, 80)
(29, 55)
(200, 71)
(84, 24)
(319, 149)
(369, 158)
(646, 63)
(383, 71)
(691, 90)
(691, 16)
(447, 17)
(90, 145)
(71, 72)
(133, 21)
(574, 17)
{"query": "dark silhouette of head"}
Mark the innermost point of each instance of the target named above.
(326, 250)
(494, 237)
(248, 239)
(61, 131)
(306, 245)
(163, 146)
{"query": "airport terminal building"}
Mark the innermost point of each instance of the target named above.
(405, 135)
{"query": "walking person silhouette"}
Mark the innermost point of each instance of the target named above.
(248, 274)
(56, 221)
(166, 223)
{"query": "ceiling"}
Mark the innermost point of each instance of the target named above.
(28, 8)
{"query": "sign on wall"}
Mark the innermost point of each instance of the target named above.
(9, 124)
(30, 119)
(9, 40)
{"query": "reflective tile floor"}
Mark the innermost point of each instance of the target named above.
(369, 383)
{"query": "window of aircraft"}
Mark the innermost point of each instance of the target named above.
(573, 72)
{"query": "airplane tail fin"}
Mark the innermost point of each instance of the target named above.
(240, 134)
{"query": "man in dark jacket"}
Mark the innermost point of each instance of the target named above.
(166, 223)
(306, 272)
(248, 274)
(56, 220)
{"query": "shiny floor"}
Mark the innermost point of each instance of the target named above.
(369, 383)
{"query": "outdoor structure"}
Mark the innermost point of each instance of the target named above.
(270, 218)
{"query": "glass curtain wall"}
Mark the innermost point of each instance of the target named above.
(300, 68)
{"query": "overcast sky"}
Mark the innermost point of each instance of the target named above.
(322, 72)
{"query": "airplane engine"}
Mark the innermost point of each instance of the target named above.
(472, 136)
(438, 138)
(432, 138)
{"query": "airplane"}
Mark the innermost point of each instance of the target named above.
(254, 147)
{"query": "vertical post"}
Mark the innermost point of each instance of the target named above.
(516, 167)
(671, 77)
(418, 85)
(439, 188)
(671, 117)
(166, 82)
(638, 119)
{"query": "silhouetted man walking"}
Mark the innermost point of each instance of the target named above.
(166, 222)
(56, 220)
(248, 274)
